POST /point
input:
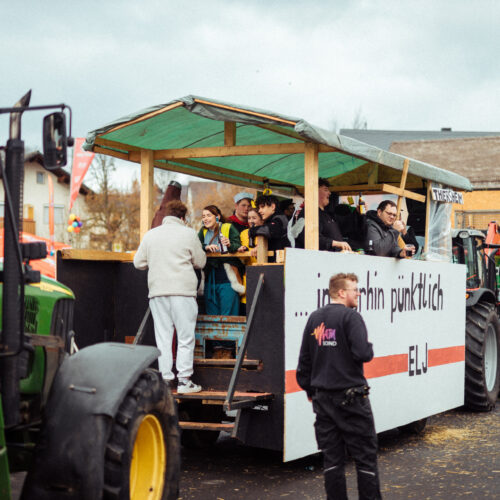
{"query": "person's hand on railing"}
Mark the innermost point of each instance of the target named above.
(343, 245)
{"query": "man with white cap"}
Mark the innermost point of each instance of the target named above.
(239, 219)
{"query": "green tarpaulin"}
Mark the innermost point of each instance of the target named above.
(197, 122)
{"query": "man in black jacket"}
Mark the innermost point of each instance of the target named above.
(334, 347)
(330, 237)
(275, 223)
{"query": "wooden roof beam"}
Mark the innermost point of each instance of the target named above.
(387, 188)
(174, 105)
(372, 188)
(282, 131)
(206, 175)
(245, 111)
(216, 173)
(223, 151)
(234, 173)
(229, 133)
(100, 141)
(114, 154)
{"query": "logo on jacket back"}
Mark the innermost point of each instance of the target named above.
(325, 336)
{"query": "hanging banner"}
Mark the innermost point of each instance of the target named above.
(51, 213)
(81, 163)
(447, 195)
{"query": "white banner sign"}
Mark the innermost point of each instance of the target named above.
(447, 196)
(415, 315)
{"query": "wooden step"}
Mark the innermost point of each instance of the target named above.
(206, 426)
(247, 363)
(240, 399)
(221, 395)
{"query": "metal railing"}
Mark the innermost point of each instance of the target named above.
(244, 344)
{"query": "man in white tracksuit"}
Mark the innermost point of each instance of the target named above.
(171, 252)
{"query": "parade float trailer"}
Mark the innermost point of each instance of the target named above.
(415, 310)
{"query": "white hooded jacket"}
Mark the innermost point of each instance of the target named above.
(171, 252)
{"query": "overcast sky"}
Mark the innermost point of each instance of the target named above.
(410, 65)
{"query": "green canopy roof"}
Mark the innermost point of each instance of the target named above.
(196, 122)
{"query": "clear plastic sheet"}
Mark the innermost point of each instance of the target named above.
(440, 245)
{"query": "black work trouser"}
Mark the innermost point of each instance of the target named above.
(349, 426)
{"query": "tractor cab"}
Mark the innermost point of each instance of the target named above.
(469, 248)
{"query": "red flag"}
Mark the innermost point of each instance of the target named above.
(51, 213)
(81, 163)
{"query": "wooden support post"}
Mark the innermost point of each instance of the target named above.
(262, 245)
(147, 185)
(229, 133)
(402, 185)
(311, 196)
(427, 216)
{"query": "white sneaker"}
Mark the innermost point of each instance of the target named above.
(187, 387)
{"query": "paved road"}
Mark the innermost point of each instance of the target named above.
(457, 456)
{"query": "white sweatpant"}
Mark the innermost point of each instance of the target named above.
(179, 312)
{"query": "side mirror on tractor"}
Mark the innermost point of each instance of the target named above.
(55, 141)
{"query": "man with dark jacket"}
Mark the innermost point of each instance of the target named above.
(334, 347)
(330, 237)
(275, 223)
(383, 231)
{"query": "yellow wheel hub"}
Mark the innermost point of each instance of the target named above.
(149, 460)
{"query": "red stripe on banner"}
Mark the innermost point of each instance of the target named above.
(446, 355)
(291, 382)
(386, 365)
(392, 365)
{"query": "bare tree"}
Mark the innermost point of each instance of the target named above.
(111, 213)
(359, 121)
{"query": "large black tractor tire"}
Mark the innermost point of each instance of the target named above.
(142, 458)
(482, 357)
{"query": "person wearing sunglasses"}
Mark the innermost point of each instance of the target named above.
(385, 233)
(330, 370)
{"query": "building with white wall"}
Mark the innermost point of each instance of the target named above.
(36, 202)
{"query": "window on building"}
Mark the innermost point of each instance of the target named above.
(2, 210)
(58, 214)
(40, 177)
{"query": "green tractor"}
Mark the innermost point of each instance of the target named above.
(482, 348)
(95, 423)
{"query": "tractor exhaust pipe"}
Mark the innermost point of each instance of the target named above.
(13, 307)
